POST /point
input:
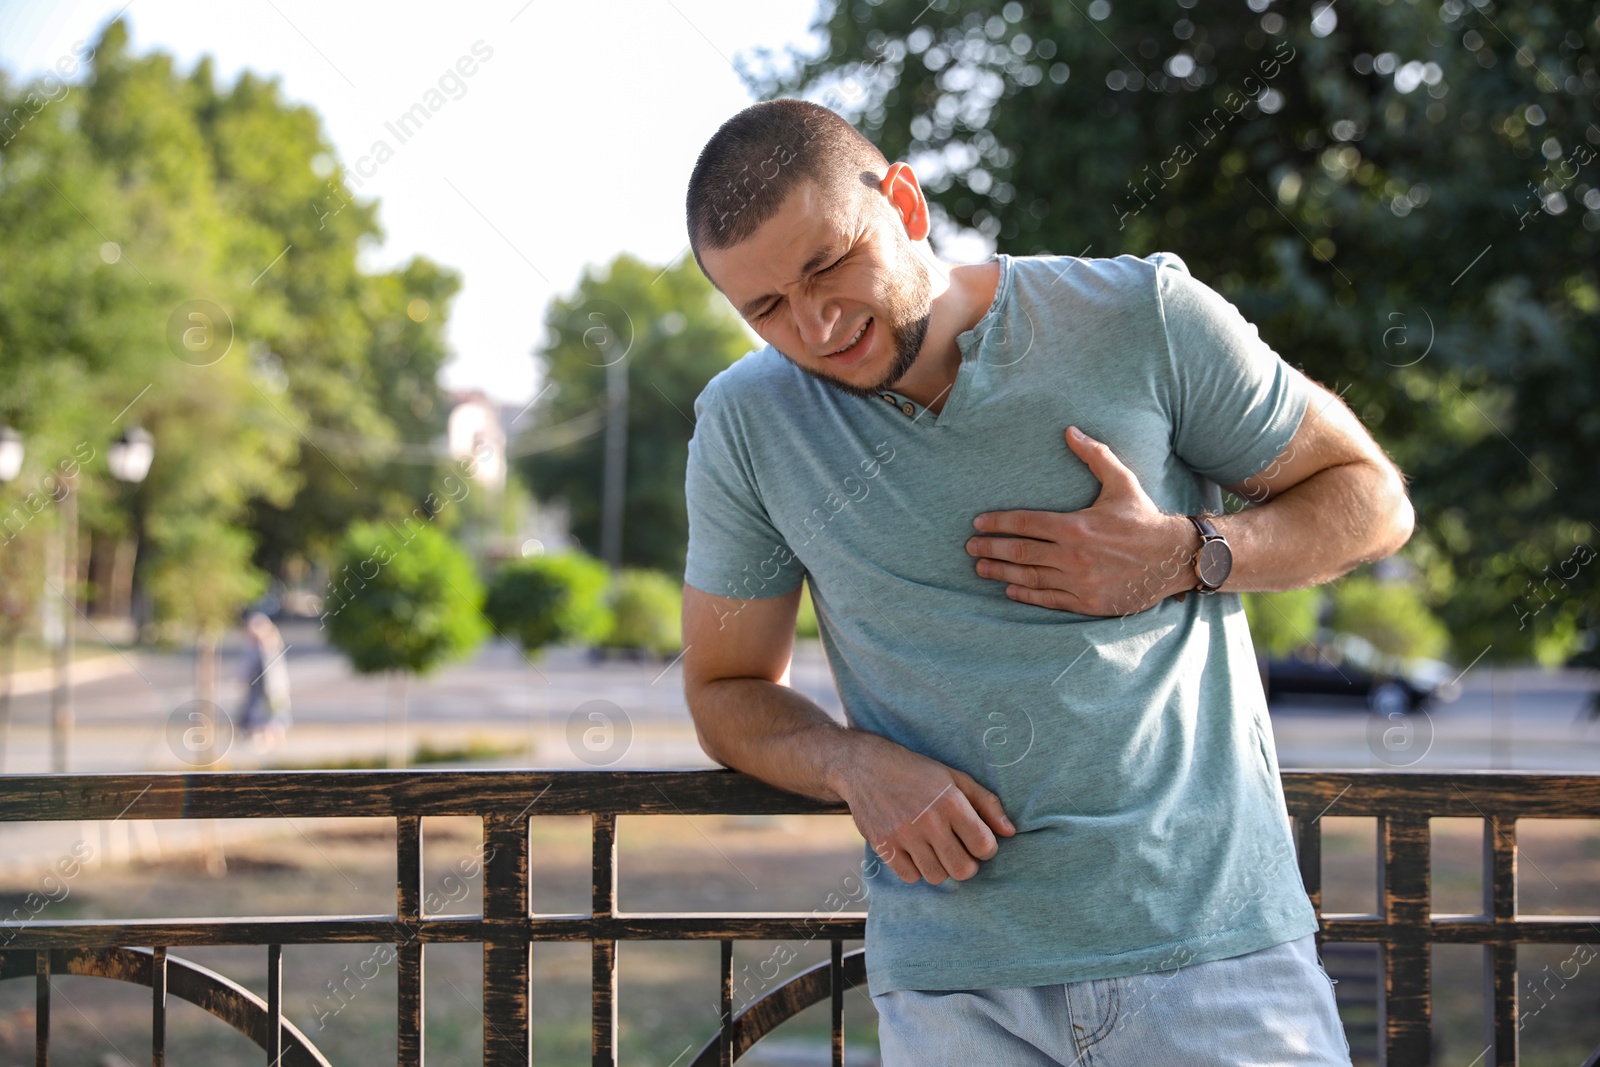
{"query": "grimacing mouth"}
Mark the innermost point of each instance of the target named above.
(855, 338)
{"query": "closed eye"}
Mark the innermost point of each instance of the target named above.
(770, 308)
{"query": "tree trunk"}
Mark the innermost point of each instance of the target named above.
(205, 691)
(5, 694)
(397, 752)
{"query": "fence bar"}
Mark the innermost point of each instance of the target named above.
(41, 1009)
(836, 983)
(603, 994)
(725, 1035)
(408, 916)
(1501, 1031)
(158, 1006)
(1404, 901)
(274, 1005)
(507, 1034)
(410, 1005)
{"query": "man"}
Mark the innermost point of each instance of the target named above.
(1060, 754)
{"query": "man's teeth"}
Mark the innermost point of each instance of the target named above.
(853, 340)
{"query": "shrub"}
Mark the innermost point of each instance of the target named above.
(1391, 615)
(1282, 622)
(805, 624)
(402, 603)
(647, 608)
(551, 600)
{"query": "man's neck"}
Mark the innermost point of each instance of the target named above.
(968, 291)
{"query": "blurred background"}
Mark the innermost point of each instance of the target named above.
(376, 326)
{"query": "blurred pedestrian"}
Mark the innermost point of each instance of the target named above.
(265, 715)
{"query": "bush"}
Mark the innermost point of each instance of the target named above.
(402, 604)
(551, 600)
(1282, 622)
(647, 609)
(805, 624)
(1390, 615)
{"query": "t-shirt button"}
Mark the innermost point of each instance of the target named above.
(908, 407)
(889, 397)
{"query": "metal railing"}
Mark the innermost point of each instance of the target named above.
(1404, 925)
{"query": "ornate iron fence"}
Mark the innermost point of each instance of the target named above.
(1404, 925)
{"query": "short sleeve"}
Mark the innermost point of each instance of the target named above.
(734, 549)
(1236, 402)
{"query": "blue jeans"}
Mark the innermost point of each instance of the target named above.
(1272, 1008)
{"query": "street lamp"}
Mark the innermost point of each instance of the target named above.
(131, 454)
(10, 454)
(129, 459)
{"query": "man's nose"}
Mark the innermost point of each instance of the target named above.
(815, 319)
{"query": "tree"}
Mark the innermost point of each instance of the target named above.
(1388, 615)
(550, 600)
(648, 610)
(200, 584)
(405, 602)
(1402, 196)
(183, 256)
(1282, 622)
(673, 332)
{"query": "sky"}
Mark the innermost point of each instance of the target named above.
(570, 143)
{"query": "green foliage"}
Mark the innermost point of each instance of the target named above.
(673, 332)
(1376, 217)
(1390, 615)
(403, 600)
(805, 623)
(551, 600)
(647, 609)
(205, 577)
(1282, 622)
(140, 190)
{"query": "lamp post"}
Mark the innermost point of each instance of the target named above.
(11, 453)
(131, 454)
(129, 460)
(61, 695)
(614, 487)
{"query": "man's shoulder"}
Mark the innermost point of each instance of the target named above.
(1094, 274)
(1102, 295)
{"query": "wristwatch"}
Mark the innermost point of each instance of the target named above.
(1213, 561)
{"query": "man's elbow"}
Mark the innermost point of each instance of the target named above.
(697, 712)
(1399, 518)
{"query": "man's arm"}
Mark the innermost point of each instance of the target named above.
(1330, 501)
(923, 818)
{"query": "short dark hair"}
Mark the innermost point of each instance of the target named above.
(755, 159)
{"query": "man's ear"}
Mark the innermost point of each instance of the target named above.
(904, 193)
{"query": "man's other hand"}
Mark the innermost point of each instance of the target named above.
(923, 819)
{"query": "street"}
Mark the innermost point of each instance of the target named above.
(567, 711)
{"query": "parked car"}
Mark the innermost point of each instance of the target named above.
(1346, 666)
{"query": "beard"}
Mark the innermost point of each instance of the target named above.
(908, 307)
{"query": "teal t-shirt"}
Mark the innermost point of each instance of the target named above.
(1133, 754)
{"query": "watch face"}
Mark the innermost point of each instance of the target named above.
(1214, 563)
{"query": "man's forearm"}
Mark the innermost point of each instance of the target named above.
(1311, 533)
(773, 733)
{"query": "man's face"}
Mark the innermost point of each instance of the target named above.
(835, 285)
